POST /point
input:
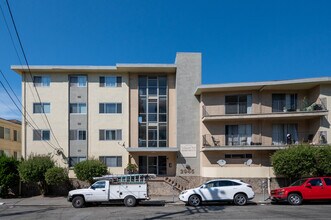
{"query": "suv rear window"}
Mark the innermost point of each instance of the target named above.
(327, 181)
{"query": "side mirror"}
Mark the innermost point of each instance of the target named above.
(308, 185)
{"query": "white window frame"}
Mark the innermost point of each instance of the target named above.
(117, 81)
(118, 134)
(41, 135)
(79, 107)
(103, 106)
(45, 81)
(42, 106)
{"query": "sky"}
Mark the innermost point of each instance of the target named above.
(240, 40)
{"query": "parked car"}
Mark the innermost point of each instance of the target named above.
(315, 188)
(218, 190)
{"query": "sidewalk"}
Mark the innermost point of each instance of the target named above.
(62, 201)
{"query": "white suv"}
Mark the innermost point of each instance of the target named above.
(218, 190)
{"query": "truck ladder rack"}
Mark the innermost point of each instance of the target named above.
(127, 178)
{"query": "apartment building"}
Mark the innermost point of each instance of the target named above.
(243, 124)
(10, 138)
(160, 117)
(144, 114)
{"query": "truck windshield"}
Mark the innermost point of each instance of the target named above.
(298, 182)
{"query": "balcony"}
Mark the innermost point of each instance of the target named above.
(240, 111)
(279, 140)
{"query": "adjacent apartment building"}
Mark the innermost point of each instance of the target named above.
(160, 117)
(10, 138)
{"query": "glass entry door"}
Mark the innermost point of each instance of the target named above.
(153, 165)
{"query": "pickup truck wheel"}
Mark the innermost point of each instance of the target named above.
(78, 202)
(294, 199)
(240, 199)
(194, 200)
(130, 201)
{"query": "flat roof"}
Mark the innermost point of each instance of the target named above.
(134, 68)
(294, 84)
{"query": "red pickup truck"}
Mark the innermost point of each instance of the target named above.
(315, 188)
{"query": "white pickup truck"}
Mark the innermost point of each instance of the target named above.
(128, 188)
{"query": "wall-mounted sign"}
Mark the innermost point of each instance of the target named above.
(188, 150)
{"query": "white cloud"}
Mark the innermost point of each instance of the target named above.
(7, 108)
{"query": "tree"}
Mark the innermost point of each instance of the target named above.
(34, 169)
(86, 170)
(56, 176)
(302, 161)
(9, 176)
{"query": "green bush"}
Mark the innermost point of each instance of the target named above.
(34, 169)
(86, 170)
(302, 161)
(56, 176)
(9, 176)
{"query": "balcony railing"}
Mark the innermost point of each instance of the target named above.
(292, 138)
(277, 106)
(230, 140)
(277, 139)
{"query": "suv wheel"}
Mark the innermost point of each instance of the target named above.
(294, 199)
(240, 199)
(194, 200)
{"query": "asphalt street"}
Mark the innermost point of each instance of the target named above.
(219, 211)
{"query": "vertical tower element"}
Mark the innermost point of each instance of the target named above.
(188, 77)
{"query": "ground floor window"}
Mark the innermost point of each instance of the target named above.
(111, 161)
(153, 165)
(74, 160)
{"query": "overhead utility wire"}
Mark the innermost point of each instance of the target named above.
(27, 63)
(31, 119)
(54, 148)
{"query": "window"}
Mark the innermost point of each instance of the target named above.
(2, 132)
(78, 108)
(77, 135)
(223, 183)
(212, 184)
(15, 135)
(284, 134)
(153, 117)
(110, 108)
(15, 155)
(238, 104)
(41, 81)
(41, 107)
(238, 135)
(110, 135)
(316, 182)
(110, 81)
(7, 134)
(74, 160)
(238, 156)
(284, 102)
(327, 181)
(111, 161)
(99, 185)
(39, 135)
(78, 81)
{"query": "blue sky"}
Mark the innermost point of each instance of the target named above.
(240, 40)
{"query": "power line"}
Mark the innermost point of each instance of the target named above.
(29, 123)
(27, 63)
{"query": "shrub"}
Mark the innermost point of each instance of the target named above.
(86, 170)
(302, 161)
(131, 168)
(56, 176)
(33, 170)
(9, 176)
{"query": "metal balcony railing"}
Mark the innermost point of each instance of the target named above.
(277, 106)
(277, 139)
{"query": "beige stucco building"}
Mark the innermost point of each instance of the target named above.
(10, 138)
(161, 118)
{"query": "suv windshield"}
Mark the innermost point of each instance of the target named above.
(298, 182)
